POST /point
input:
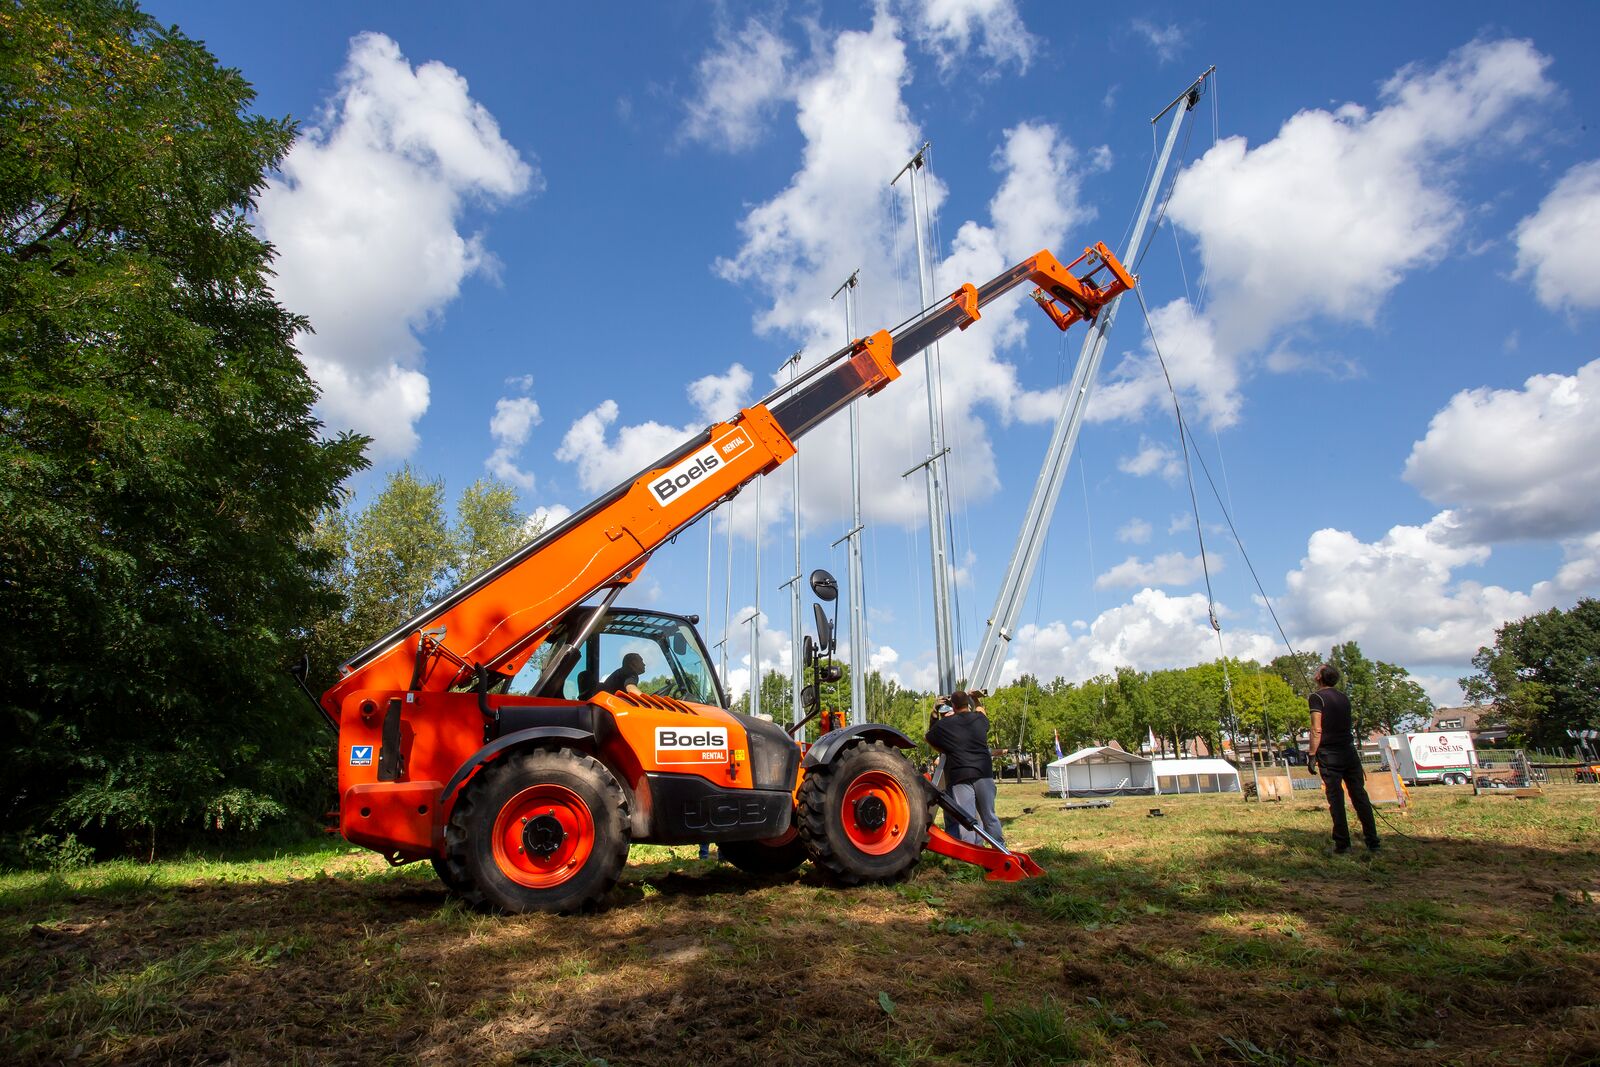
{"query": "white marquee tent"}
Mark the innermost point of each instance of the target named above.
(1098, 772)
(1103, 772)
(1195, 776)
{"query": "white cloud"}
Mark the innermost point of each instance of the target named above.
(1135, 532)
(801, 243)
(1559, 245)
(1516, 463)
(513, 420)
(1328, 216)
(1206, 377)
(1152, 458)
(1153, 631)
(1402, 599)
(1167, 41)
(1169, 568)
(545, 517)
(949, 29)
(737, 85)
(365, 217)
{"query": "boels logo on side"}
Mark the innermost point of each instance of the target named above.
(696, 744)
(669, 483)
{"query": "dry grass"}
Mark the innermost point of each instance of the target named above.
(1221, 933)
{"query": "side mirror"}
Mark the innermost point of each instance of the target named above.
(808, 695)
(679, 645)
(824, 586)
(808, 650)
(824, 630)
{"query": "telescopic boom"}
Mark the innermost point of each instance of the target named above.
(498, 619)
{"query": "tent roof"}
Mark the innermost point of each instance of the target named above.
(1101, 751)
(1171, 768)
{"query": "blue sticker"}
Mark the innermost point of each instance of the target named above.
(360, 755)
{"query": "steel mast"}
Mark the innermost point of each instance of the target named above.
(796, 665)
(858, 621)
(997, 636)
(938, 549)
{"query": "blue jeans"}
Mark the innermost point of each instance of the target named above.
(977, 800)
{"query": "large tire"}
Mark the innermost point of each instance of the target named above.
(454, 876)
(543, 830)
(764, 857)
(864, 816)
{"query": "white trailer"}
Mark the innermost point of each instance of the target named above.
(1442, 756)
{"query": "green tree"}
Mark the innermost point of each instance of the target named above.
(391, 559)
(1543, 673)
(160, 466)
(1398, 703)
(1298, 670)
(1358, 678)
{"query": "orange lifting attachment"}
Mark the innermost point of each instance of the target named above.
(1067, 296)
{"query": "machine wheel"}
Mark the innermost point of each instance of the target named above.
(543, 830)
(864, 816)
(777, 856)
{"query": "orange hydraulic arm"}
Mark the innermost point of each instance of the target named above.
(500, 617)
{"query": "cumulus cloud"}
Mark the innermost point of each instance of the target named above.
(366, 216)
(1152, 458)
(1134, 532)
(1516, 463)
(950, 29)
(1167, 41)
(797, 246)
(1206, 377)
(545, 517)
(1400, 596)
(738, 85)
(1169, 568)
(1559, 245)
(1153, 631)
(1328, 216)
(513, 421)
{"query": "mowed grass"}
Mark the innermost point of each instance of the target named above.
(1219, 933)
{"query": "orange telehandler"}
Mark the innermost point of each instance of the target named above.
(522, 731)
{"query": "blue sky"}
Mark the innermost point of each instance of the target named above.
(548, 244)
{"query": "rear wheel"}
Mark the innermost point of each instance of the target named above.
(864, 816)
(545, 830)
(776, 856)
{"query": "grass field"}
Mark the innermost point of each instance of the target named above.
(1220, 933)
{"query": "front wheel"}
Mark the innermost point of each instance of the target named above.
(544, 830)
(864, 816)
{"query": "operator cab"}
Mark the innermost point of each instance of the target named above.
(675, 660)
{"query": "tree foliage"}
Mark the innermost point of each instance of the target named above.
(160, 466)
(1543, 673)
(399, 553)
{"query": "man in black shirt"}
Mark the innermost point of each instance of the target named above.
(968, 765)
(1334, 754)
(625, 679)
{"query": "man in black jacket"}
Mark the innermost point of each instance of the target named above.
(968, 765)
(1334, 754)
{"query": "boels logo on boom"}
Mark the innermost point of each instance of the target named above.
(669, 483)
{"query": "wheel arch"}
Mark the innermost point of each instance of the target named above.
(533, 737)
(834, 742)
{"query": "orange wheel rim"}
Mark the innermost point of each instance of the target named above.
(876, 815)
(543, 836)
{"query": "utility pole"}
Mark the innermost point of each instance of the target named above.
(797, 667)
(1041, 507)
(858, 621)
(938, 549)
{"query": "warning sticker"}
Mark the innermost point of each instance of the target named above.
(698, 744)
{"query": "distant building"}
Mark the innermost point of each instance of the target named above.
(1482, 721)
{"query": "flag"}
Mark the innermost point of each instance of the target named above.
(1058, 741)
(1152, 741)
